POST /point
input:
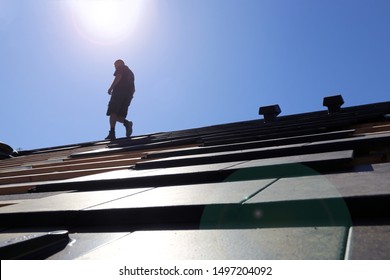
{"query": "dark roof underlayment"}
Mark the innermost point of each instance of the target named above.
(306, 186)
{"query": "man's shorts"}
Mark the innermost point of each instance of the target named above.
(119, 104)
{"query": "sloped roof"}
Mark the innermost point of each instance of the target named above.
(306, 186)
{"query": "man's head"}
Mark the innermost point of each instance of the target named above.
(118, 63)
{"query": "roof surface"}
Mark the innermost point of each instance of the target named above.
(307, 186)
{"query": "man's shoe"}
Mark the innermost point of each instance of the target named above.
(129, 127)
(111, 135)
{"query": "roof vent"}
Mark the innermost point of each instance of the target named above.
(270, 112)
(333, 103)
(6, 151)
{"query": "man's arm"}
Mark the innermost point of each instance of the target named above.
(114, 83)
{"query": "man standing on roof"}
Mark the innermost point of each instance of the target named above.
(121, 90)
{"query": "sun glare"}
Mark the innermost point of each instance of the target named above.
(105, 21)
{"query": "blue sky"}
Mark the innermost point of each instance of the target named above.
(196, 62)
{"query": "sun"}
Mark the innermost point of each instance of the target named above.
(105, 21)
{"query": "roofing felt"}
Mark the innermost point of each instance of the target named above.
(306, 186)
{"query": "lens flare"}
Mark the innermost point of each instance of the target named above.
(105, 21)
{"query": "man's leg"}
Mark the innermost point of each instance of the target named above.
(113, 119)
(127, 124)
(120, 119)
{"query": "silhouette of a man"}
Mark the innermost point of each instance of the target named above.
(121, 90)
